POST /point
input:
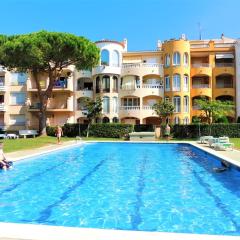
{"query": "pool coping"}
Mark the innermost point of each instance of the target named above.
(18, 231)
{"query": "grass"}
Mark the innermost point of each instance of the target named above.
(12, 145)
(236, 142)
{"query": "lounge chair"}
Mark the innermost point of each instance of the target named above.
(221, 143)
(204, 139)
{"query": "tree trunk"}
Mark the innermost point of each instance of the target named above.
(88, 127)
(42, 122)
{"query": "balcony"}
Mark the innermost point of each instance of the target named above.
(224, 64)
(84, 93)
(104, 69)
(142, 69)
(3, 107)
(55, 106)
(200, 86)
(201, 69)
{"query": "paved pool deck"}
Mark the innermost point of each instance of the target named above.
(12, 231)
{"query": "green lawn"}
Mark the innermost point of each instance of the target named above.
(236, 142)
(12, 145)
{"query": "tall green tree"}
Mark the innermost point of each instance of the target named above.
(163, 109)
(94, 110)
(46, 53)
(214, 109)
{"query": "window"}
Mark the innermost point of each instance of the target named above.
(115, 84)
(176, 58)
(186, 120)
(17, 120)
(115, 120)
(167, 60)
(106, 105)
(2, 80)
(105, 57)
(17, 98)
(106, 83)
(105, 120)
(97, 84)
(131, 102)
(185, 83)
(167, 83)
(176, 120)
(177, 104)
(185, 59)
(186, 104)
(115, 59)
(18, 78)
(176, 82)
(115, 104)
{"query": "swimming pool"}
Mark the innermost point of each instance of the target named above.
(136, 186)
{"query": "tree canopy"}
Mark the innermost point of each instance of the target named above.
(49, 53)
(163, 109)
(214, 109)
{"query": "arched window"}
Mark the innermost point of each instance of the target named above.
(176, 58)
(115, 59)
(185, 83)
(98, 84)
(186, 120)
(176, 120)
(115, 104)
(105, 120)
(176, 82)
(185, 59)
(115, 120)
(186, 104)
(106, 83)
(167, 60)
(105, 57)
(177, 104)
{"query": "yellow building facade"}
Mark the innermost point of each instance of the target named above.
(130, 83)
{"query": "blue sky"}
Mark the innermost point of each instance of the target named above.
(142, 22)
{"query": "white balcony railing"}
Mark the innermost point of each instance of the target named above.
(139, 65)
(152, 86)
(200, 65)
(2, 107)
(127, 108)
(199, 45)
(200, 86)
(223, 45)
(3, 88)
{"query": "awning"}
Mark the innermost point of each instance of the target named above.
(224, 55)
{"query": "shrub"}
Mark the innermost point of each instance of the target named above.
(108, 130)
(216, 130)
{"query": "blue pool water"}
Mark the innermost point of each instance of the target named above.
(146, 187)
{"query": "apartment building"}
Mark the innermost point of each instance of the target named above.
(130, 83)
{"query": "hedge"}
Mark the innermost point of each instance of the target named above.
(108, 130)
(216, 130)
